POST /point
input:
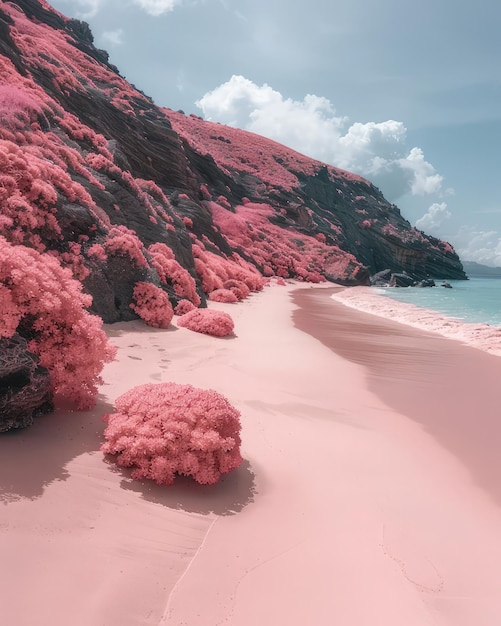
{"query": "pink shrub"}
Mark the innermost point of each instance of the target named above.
(238, 287)
(223, 295)
(123, 241)
(366, 224)
(97, 252)
(184, 306)
(152, 305)
(173, 273)
(165, 429)
(42, 299)
(208, 322)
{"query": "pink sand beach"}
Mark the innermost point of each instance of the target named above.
(370, 493)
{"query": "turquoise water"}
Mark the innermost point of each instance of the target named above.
(476, 300)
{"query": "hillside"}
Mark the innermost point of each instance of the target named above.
(151, 209)
(108, 157)
(474, 269)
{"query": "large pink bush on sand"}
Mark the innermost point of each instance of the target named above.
(165, 429)
(41, 300)
(208, 322)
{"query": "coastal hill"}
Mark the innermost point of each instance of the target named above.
(109, 164)
(153, 210)
(477, 270)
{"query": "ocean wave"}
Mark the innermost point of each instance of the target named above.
(366, 299)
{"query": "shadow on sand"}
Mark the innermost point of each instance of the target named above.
(229, 496)
(33, 458)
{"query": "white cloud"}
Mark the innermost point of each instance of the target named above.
(377, 151)
(90, 8)
(156, 7)
(115, 37)
(477, 245)
(433, 219)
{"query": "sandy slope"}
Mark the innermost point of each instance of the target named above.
(346, 511)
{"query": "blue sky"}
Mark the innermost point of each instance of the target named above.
(407, 94)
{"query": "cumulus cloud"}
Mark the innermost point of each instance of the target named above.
(115, 37)
(312, 126)
(90, 8)
(156, 7)
(434, 218)
(477, 245)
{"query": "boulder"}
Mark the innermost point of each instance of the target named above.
(25, 390)
(426, 282)
(401, 280)
(381, 279)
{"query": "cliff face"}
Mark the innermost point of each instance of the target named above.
(122, 191)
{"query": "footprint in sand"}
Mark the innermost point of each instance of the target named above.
(409, 554)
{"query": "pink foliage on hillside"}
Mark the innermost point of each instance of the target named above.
(184, 306)
(243, 151)
(213, 270)
(408, 236)
(208, 322)
(223, 295)
(238, 287)
(173, 273)
(97, 252)
(124, 242)
(278, 251)
(41, 297)
(18, 108)
(165, 429)
(152, 305)
(69, 68)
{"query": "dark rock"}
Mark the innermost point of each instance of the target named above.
(401, 280)
(381, 279)
(426, 282)
(25, 390)
(446, 284)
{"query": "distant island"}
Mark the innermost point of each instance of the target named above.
(474, 270)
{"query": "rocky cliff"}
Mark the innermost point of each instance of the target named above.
(122, 191)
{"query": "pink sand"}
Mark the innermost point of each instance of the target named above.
(369, 493)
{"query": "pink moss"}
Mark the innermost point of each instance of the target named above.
(152, 305)
(36, 290)
(208, 322)
(165, 429)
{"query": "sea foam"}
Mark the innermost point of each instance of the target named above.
(370, 300)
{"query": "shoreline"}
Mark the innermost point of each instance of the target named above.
(475, 334)
(346, 510)
(401, 360)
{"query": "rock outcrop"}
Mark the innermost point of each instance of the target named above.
(25, 390)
